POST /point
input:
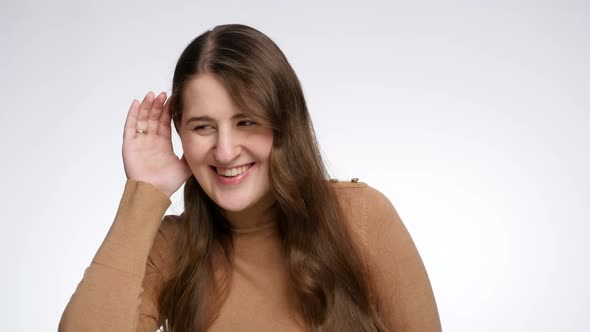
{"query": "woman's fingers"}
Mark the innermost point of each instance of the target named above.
(164, 128)
(131, 121)
(153, 121)
(151, 115)
(144, 111)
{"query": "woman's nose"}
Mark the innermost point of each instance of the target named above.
(227, 148)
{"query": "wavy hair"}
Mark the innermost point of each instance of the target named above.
(323, 262)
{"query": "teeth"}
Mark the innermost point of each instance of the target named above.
(232, 171)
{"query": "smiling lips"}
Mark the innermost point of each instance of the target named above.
(232, 172)
(241, 173)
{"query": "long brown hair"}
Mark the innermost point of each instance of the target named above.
(323, 262)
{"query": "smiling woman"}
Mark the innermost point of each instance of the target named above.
(227, 152)
(266, 242)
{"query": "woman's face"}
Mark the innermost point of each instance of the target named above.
(226, 150)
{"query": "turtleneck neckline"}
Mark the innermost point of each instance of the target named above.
(262, 214)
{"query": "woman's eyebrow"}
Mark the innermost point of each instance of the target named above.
(206, 118)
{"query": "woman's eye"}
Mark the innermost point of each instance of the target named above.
(246, 123)
(201, 127)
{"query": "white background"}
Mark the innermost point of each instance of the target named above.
(472, 118)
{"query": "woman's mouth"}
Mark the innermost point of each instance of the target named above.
(233, 175)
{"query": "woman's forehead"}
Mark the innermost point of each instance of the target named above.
(206, 96)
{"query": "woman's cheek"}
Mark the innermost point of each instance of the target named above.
(263, 139)
(195, 151)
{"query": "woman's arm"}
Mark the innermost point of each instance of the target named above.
(400, 282)
(120, 288)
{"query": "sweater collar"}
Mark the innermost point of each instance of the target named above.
(261, 214)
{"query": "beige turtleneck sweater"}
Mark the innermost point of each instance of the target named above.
(119, 290)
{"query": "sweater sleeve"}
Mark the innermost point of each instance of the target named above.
(120, 288)
(400, 283)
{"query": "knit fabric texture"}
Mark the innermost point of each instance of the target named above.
(119, 290)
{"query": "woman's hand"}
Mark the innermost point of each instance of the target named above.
(149, 156)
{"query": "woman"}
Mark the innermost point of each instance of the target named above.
(266, 242)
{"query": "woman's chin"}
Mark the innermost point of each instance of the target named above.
(233, 204)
